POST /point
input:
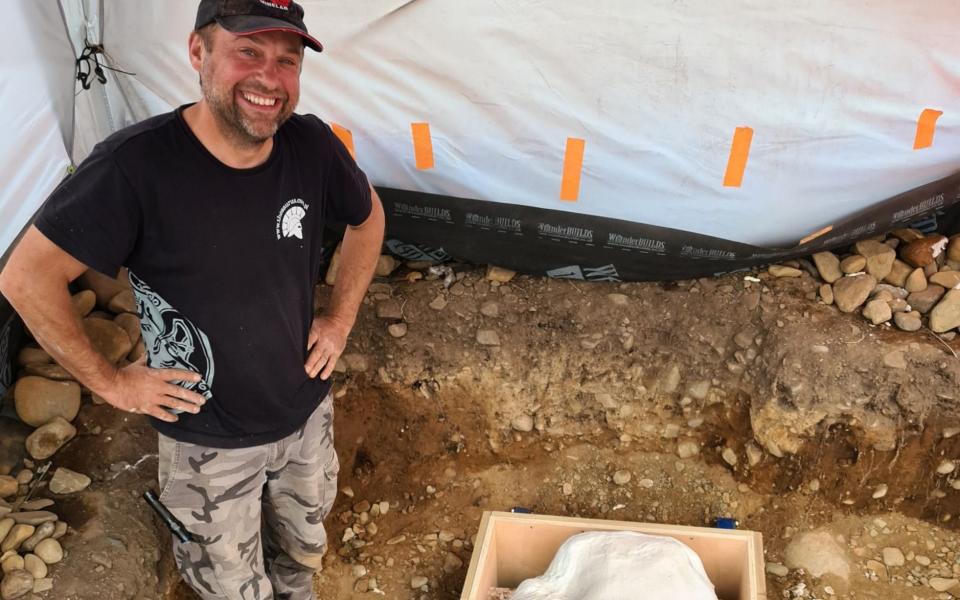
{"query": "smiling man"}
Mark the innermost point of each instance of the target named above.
(218, 209)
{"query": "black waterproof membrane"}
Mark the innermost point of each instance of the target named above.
(568, 245)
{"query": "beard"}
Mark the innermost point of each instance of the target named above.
(232, 119)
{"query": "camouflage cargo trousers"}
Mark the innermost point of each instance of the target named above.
(257, 513)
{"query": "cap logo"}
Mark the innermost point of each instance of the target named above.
(281, 4)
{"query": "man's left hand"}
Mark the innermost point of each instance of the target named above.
(328, 338)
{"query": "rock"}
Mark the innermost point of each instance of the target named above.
(35, 566)
(947, 279)
(438, 303)
(783, 271)
(894, 360)
(65, 481)
(48, 439)
(946, 467)
(622, 477)
(853, 264)
(33, 517)
(946, 314)
(877, 311)
(898, 305)
(397, 330)
(386, 265)
(891, 291)
(522, 423)
(688, 449)
(942, 584)
(852, 291)
(138, 351)
(59, 530)
(390, 310)
(16, 584)
(49, 550)
(499, 274)
(83, 302)
(108, 338)
(54, 372)
(916, 281)
(879, 257)
(43, 531)
(131, 325)
(619, 299)
(893, 557)
(384, 507)
(124, 302)
(331, 276)
(18, 533)
(777, 569)
(39, 400)
(103, 286)
(418, 581)
(14, 562)
(826, 293)
(953, 249)
(356, 362)
(8, 486)
(828, 265)
(490, 309)
(925, 300)
(29, 355)
(42, 585)
(754, 454)
(898, 273)
(488, 337)
(922, 252)
(699, 390)
(818, 553)
(908, 321)
(729, 456)
(907, 235)
(452, 563)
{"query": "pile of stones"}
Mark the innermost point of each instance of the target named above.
(905, 278)
(48, 398)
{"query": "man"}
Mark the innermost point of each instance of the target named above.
(218, 210)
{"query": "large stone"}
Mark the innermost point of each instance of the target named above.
(784, 271)
(39, 400)
(926, 299)
(898, 273)
(18, 533)
(828, 265)
(948, 279)
(499, 274)
(30, 355)
(849, 293)
(49, 550)
(893, 557)
(908, 321)
(131, 324)
(386, 265)
(47, 439)
(953, 248)
(488, 337)
(49, 371)
(34, 565)
(43, 531)
(8, 486)
(65, 481)
(853, 264)
(33, 517)
(946, 314)
(879, 257)
(942, 584)
(818, 553)
(83, 302)
(108, 338)
(922, 252)
(826, 293)
(916, 281)
(877, 311)
(16, 584)
(390, 310)
(907, 235)
(103, 286)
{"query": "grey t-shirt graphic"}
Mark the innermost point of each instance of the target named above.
(223, 261)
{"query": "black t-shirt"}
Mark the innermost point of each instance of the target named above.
(223, 261)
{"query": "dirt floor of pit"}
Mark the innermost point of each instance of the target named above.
(818, 411)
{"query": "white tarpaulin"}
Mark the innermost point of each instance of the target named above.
(832, 90)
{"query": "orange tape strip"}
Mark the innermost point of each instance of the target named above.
(422, 145)
(346, 137)
(739, 152)
(816, 234)
(926, 126)
(572, 168)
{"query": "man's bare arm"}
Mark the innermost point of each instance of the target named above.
(35, 282)
(358, 259)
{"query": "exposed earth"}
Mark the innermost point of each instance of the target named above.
(668, 403)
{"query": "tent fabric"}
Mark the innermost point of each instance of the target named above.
(831, 91)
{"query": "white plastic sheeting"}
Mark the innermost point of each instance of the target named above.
(831, 88)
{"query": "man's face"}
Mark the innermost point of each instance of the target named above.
(251, 83)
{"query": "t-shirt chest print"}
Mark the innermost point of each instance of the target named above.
(171, 340)
(290, 219)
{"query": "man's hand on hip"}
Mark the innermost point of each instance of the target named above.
(139, 389)
(328, 338)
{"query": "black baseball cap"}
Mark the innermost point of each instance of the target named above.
(246, 17)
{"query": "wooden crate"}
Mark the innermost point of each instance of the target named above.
(513, 547)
